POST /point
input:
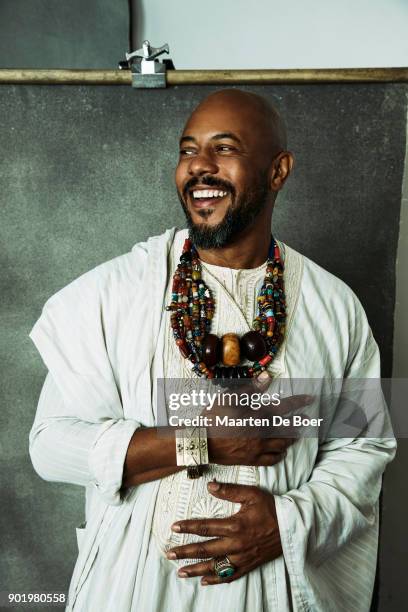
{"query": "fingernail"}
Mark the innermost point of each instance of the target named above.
(171, 555)
(176, 527)
(204, 582)
(214, 486)
(264, 375)
(183, 574)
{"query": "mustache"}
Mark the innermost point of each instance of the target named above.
(209, 181)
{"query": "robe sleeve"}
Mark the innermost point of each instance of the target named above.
(67, 449)
(80, 434)
(340, 498)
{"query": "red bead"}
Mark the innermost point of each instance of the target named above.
(192, 308)
(183, 351)
(265, 360)
(182, 347)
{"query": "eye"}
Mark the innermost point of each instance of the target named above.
(186, 152)
(225, 148)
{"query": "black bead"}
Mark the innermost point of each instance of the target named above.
(210, 350)
(253, 346)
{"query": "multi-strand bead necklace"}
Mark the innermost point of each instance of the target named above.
(192, 309)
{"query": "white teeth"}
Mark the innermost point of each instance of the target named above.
(209, 193)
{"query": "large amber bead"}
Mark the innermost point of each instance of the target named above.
(231, 354)
(253, 346)
(211, 350)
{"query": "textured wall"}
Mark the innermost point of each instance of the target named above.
(401, 306)
(89, 171)
(63, 34)
(394, 540)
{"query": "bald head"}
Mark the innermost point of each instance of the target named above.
(249, 109)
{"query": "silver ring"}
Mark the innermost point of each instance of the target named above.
(223, 567)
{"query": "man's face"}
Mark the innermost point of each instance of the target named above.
(222, 174)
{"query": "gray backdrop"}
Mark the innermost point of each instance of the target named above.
(63, 34)
(86, 172)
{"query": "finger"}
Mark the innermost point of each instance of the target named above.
(210, 579)
(197, 569)
(203, 550)
(208, 527)
(206, 568)
(233, 492)
(240, 570)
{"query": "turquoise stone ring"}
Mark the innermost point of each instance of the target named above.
(223, 567)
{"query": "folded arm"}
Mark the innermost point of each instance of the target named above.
(67, 449)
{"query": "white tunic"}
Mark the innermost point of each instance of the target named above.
(105, 340)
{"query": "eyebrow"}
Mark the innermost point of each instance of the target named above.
(220, 136)
(229, 135)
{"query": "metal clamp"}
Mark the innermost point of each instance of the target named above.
(147, 70)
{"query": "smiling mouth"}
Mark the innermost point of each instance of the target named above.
(203, 198)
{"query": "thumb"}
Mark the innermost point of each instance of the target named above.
(233, 492)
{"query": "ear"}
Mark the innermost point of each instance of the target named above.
(281, 168)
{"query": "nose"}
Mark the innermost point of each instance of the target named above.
(202, 163)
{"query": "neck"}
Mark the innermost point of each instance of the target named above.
(248, 250)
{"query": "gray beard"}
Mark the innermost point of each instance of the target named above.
(239, 216)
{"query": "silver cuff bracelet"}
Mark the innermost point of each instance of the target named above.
(192, 449)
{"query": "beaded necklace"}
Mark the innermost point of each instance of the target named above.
(192, 309)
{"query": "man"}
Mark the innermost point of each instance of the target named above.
(295, 525)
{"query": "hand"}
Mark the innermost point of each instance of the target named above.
(252, 445)
(249, 538)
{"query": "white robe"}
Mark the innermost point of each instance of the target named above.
(103, 339)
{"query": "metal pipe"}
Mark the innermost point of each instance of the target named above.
(208, 77)
(353, 75)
